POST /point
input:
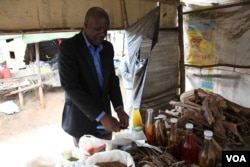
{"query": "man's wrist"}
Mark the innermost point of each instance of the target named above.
(119, 108)
(100, 116)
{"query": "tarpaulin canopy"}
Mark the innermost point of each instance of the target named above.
(146, 27)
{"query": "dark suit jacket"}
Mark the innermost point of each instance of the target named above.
(84, 99)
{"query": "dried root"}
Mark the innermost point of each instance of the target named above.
(229, 121)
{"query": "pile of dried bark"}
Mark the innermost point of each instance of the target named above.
(148, 157)
(229, 121)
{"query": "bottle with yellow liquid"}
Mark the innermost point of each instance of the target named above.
(137, 119)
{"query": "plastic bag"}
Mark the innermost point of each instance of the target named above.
(111, 156)
(67, 154)
(90, 144)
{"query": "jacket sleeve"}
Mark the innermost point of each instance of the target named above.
(114, 83)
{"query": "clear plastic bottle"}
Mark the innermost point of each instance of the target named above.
(188, 146)
(174, 140)
(150, 127)
(207, 154)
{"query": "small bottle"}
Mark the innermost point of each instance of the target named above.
(188, 146)
(137, 119)
(173, 140)
(207, 154)
(150, 127)
(161, 137)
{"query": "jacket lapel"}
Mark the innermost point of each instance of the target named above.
(85, 53)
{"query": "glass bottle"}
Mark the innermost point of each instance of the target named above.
(173, 140)
(207, 154)
(188, 146)
(150, 127)
(137, 119)
(161, 137)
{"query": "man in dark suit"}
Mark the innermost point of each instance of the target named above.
(87, 74)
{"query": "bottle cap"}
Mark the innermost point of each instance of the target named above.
(189, 126)
(208, 133)
(164, 117)
(173, 120)
(161, 116)
(138, 128)
(157, 117)
(150, 109)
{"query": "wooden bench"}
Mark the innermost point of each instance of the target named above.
(19, 83)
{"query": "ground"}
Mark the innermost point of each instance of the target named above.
(34, 130)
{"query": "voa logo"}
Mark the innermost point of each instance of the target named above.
(236, 158)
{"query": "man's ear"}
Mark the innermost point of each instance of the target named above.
(85, 24)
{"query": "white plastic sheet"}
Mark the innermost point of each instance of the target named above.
(111, 156)
(9, 107)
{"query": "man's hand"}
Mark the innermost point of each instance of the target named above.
(110, 123)
(123, 117)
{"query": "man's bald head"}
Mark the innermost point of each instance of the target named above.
(96, 11)
(96, 25)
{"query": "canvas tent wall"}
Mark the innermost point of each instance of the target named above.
(217, 51)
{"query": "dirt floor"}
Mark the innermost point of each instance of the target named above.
(34, 130)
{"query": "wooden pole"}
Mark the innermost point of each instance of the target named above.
(125, 21)
(20, 90)
(218, 7)
(124, 14)
(181, 45)
(40, 91)
(20, 94)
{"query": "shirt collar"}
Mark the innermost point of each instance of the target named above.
(99, 47)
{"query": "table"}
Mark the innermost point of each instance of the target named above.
(19, 84)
